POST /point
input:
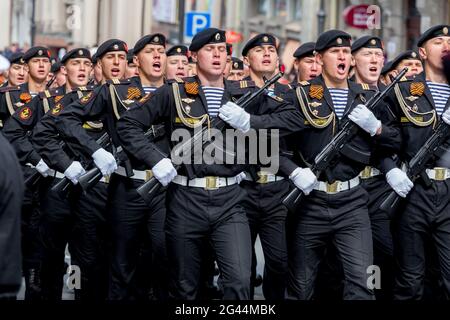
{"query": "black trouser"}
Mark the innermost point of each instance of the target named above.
(267, 217)
(426, 215)
(79, 221)
(383, 248)
(31, 242)
(343, 219)
(196, 216)
(131, 220)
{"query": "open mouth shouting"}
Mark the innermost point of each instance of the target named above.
(157, 66)
(115, 72)
(341, 69)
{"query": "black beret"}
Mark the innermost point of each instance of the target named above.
(386, 68)
(333, 38)
(259, 40)
(130, 56)
(442, 30)
(36, 52)
(111, 45)
(408, 54)
(94, 58)
(177, 51)
(229, 49)
(207, 36)
(16, 58)
(306, 49)
(56, 67)
(237, 64)
(76, 53)
(367, 42)
(157, 38)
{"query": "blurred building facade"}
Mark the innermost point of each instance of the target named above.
(63, 23)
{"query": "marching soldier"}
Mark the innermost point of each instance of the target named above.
(368, 57)
(55, 223)
(419, 103)
(96, 75)
(108, 103)
(177, 62)
(305, 63)
(204, 201)
(37, 60)
(336, 208)
(237, 70)
(266, 214)
(385, 76)
(132, 68)
(59, 77)
(227, 70)
(409, 59)
(17, 72)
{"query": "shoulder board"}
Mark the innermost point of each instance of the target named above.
(179, 80)
(242, 84)
(276, 98)
(366, 86)
(8, 89)
(304, 83)
(175, 80)
(51, 93)
(86, 88)
(406, 79)
(118, 81)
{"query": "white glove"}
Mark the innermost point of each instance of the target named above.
(105, 161)
(304, 179)
(446, 116)
(164, 171)
(235, 116)
(74, 171)
(365, 119)
(240, 177)
(399, 181)
(43, 168)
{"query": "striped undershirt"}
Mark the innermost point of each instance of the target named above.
(440, 93)
(339, 97)
(148, 90)
(213, 97)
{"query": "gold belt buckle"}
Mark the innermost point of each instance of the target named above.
(332, 187)
(211, 183)
(263, 177)
(439, 174)
(365, 174)
(148, 175)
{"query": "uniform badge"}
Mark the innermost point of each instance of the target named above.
(40, 53)
(266, 39)
(217, 36)
(133, 93)
(156, 39)
(316, 92)
(188, 100)
(236, 65)
(339, 41)
(58, 98)
(188, 109)
(57, 109)
(412, 98)
(25, 97)
(191, 88)
(373, 42)
(417, 88)
(315, 112)
(315, 104)
(86, 98)
(414, 55)
(80, 52)
(415, 108)
(179, 50)
(25, 113)
(116, 47)
(445, 30)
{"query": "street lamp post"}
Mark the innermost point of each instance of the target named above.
(33, 21)
(321, 15)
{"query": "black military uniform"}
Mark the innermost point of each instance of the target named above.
(11, 196)
(376, 186)
(266, 214)
(204, 201)
(337, 209)
(108, 103)
(425, 214)
(11, 99)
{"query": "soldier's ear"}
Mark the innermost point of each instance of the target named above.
(319, 58)
(353, 61)
(246, 61)
(64, 70)
(423, 53)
